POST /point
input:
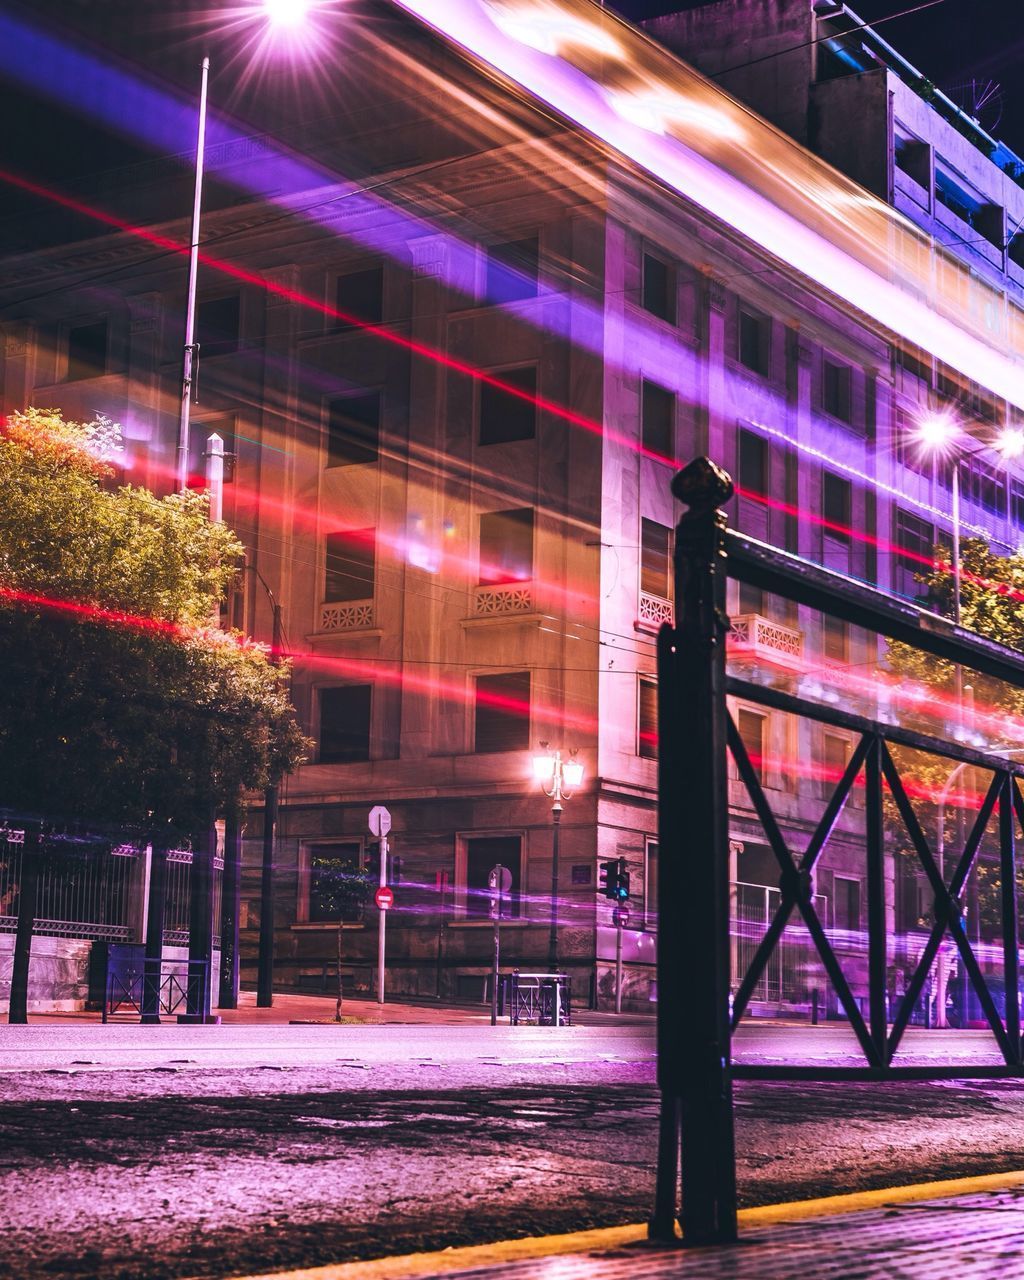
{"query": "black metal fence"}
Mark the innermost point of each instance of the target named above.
(878, 963)
(85, 887)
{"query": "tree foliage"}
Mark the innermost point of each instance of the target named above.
(120, 702)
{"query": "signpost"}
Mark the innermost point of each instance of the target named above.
(499, 882)
(380, 825)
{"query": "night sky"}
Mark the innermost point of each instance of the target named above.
(950, 41)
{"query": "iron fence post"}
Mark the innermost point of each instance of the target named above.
(694, 1072)
(875, 854)
(28, 891)
(230, 906)
(1011, 927)
(153, 962)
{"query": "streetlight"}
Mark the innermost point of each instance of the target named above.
(280, 16)
(558, 779)
(939, 433)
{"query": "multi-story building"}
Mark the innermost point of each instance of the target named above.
(455, 367)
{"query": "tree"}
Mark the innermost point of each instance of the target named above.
(992, 605)
(121, 704)
(343, 889)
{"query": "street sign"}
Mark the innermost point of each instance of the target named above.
(500, 876)
(380, 820)
(384, 897)
(620, 917)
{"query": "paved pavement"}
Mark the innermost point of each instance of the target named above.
(972, 1229)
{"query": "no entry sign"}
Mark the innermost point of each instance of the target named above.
(384, 897)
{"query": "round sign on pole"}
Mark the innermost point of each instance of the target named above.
(620, 917)
(380, 820)
(384, 897)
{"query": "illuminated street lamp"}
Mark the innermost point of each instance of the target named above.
(280, 16)
(940, 434)
(558, 779)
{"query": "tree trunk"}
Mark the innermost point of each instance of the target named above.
(28, 888)
(337, 1007)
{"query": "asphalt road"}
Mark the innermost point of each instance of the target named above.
(192, 1156)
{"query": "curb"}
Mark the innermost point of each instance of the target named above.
(419, 1266)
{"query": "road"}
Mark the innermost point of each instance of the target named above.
(170, 1152)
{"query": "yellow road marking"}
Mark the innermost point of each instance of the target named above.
(417, 1266)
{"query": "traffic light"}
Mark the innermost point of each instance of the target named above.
(609, 874)
(613, 880)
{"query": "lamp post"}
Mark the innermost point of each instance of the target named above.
(558, 779)
(940, 435)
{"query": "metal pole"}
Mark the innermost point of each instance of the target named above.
(190, 305)
(200, 925)
(694, 1074)
(956, 544)
(497, 959)
(382, 917)
(265, 965)
(618, 966)
(28, 889)
(230, 905)
(556, 821)
(152, 969)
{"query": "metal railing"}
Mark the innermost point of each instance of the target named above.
(700, 1000)
(536, 999)
(84, 891)
(168, 988)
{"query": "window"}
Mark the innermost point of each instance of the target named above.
(836, 399)
(751, 726)
(335, 890)
(913, 361)
(87, 350)
(483, 854)
(217, 326)
(752, 463)
(908, 446)
(502, 714)
(651, 883)
(835, 641)
(506, 546)
(512, 271)
(359, 298)
(647, 720)
(657, 292)
(350, 565)
(836, 506)
(657, 419)
(345, 724)
(835, 758)
(750, 599)
(655, 559)
(915, 543)
(984, 485)
(753, 334)
(505, 417)
(1017, 503)
(846, 903)
(911, 156)
(353, 429)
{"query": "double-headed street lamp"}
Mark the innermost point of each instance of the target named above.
(559, 779)
(941, 435)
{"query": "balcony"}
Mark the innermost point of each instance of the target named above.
(758, 637)
(654, 610)
(497, 601)
(350, 615)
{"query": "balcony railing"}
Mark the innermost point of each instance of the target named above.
(348, 616)
(758, 637)
(511, 597)
(654, 610)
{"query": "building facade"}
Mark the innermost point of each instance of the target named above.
(456, 368)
